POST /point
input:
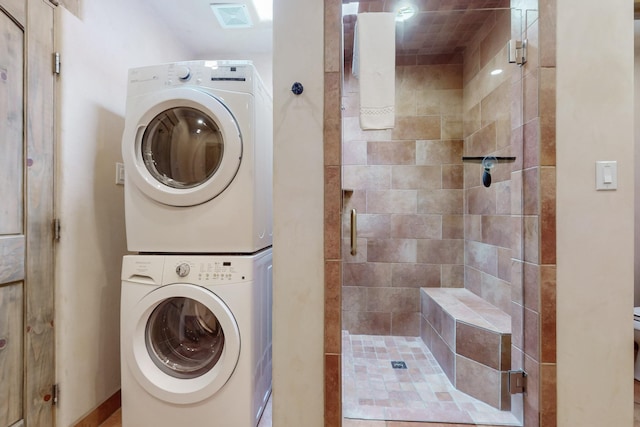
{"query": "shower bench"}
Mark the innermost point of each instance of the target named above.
(471, 340)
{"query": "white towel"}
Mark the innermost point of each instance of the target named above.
(376, 41)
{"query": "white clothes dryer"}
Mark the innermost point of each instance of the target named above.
(195, 339)
(197, 151)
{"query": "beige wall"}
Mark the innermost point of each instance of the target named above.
(595, 237)
(298, 266)
(637, 159)
(91, 96)
(98, 48)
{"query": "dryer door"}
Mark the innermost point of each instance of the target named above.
(184, 345)
(181, 147)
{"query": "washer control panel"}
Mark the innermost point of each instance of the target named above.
(214, 270)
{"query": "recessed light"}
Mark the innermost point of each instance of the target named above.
(264, 9)
(496, 72)
(405, 12)
(350, 8)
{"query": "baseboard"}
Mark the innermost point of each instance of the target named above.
(102, 412)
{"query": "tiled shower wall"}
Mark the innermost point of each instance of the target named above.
(406, 185)
(533, 304)
(490, 108)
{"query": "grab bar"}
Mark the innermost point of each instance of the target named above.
(354, 232)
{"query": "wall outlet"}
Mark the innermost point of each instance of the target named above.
(119, 173)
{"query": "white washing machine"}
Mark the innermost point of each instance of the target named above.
(197, 150)
(195, 339)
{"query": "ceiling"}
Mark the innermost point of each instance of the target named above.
(194, 24)
(440, 27)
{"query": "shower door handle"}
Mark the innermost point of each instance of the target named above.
(354, 232)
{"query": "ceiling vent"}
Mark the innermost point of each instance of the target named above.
(232, 15)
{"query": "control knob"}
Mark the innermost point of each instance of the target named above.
(183, 72)
(183, 269)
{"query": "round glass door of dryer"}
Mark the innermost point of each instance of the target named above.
(184, 338)
(181, 147)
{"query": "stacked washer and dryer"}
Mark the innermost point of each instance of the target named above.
(196, 299)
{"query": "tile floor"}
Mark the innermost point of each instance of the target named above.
(115, 420)
(373, 390)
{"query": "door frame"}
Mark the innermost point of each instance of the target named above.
(39, 215)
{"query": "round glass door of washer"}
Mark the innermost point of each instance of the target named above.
(184, 338)
(183, 345)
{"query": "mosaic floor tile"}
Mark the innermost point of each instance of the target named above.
(374, 390)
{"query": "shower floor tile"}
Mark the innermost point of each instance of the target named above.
(374, 390)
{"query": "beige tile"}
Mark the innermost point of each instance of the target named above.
(531, 285)
(548, 395)
(332, 128)
(505, 267)
(415, 128)
(396, 201)
(452, 276)
(332, 36)
(415, 275)
(391, 153)
(439, 152)
(405, 324)
(391, 250)
(452, 177)
(416, 177)
(531, 138)
(453, 226)
(332, 312)
(450, 251)
(367, 274)
(375, 226)
(440, 201)
(548, 215)
(478, 381)
(531, 239)
(531, 331)
(496, 230)
(482, 256)
(354, 299)
(332, 390)
(354, 153)
(367, 323)
(530, 106)
(547, 116)
(396, 300)
(548, 314)
(332, 215)
(416, 226)
(481, 200)
(359, 177)
(482, 142)
(480, 345)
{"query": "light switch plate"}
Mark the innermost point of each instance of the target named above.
(606, 175)
(119, 174)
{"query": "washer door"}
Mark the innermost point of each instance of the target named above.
(184, 344)
(181, 147)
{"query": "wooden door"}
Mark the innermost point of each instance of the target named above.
(26, 213)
